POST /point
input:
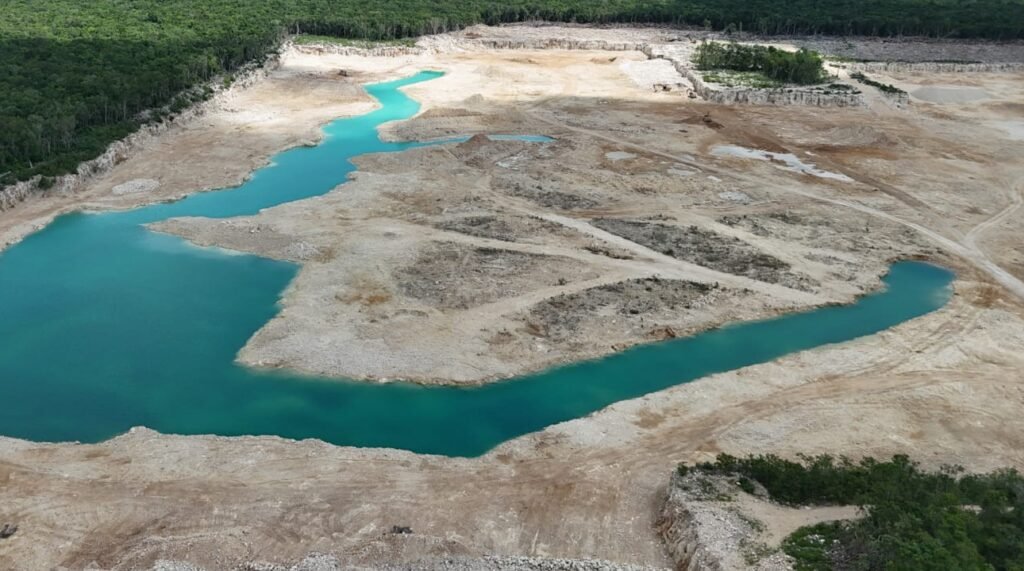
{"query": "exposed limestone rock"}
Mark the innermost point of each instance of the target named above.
(552, 44)
(377, 51)
(16, 193)
(701, 533)
(483, 38)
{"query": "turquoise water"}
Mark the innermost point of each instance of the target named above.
(105, 326)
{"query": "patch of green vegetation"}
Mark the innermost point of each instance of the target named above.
(812, 546)
(307, 39)
(730, 78)
(914, 519)
(746, 484)
(883, 87)
(802, 67)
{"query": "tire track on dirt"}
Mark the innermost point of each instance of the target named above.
(966, 252)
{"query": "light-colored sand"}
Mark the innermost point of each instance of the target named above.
(655, 74)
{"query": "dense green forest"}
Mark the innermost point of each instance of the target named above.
(76, 75)
(913, 519)
(802, 67)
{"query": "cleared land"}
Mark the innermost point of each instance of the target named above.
(470, 262)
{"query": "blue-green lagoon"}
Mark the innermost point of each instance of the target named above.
(105, 325)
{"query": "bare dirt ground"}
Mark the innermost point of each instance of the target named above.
(480, 260)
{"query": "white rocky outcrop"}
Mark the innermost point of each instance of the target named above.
(375, 51)
(704, 531)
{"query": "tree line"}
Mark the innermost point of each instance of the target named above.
(993, 19)
(913, 519)
(75, 76)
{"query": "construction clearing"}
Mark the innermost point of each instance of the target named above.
(660, 205)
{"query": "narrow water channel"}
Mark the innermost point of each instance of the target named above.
(105, 325)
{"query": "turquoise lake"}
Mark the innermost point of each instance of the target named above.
(105, 325)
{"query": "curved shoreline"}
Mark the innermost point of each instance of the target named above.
(221, 310)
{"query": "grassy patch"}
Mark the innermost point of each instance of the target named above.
(729, 78)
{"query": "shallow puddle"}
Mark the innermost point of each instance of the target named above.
(785, 161)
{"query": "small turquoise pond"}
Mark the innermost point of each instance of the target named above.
(105, 325)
